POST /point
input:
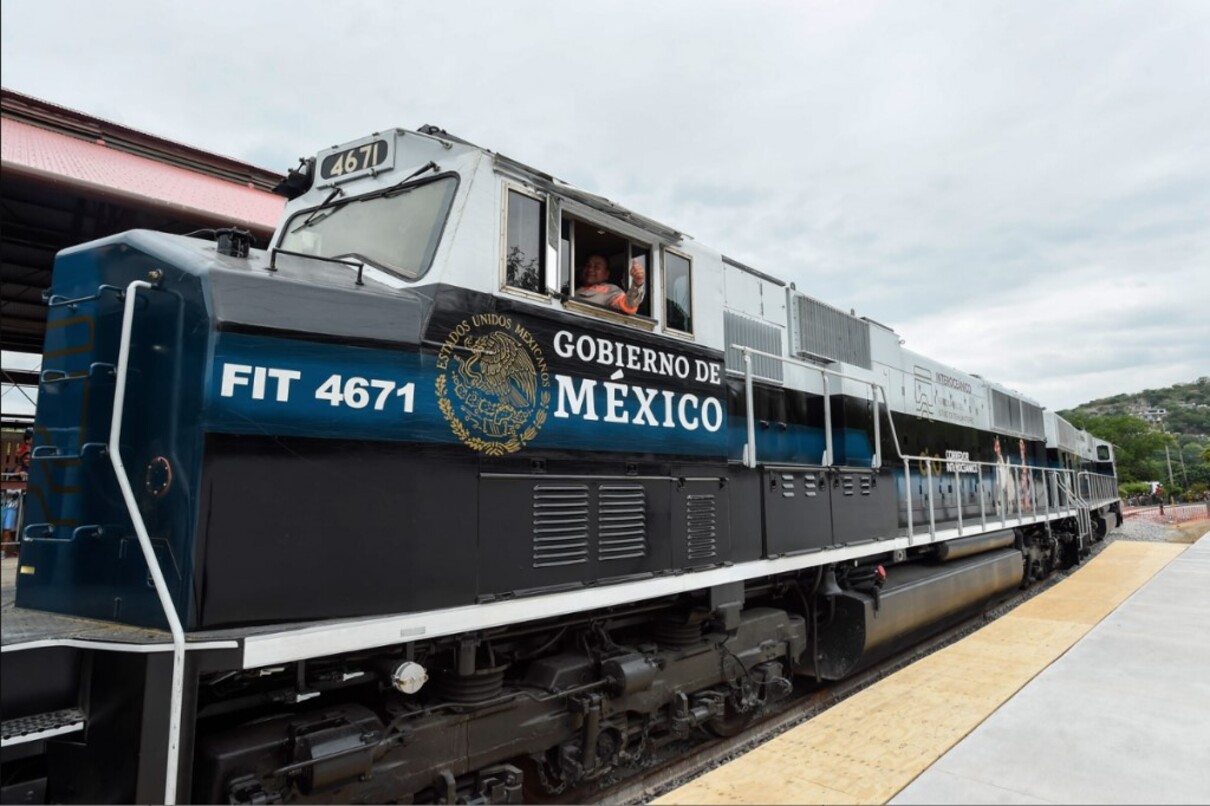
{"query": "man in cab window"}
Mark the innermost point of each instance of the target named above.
(596, 289)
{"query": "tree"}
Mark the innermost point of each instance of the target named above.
(1134, 489)
(523, 272)
(1135, 443)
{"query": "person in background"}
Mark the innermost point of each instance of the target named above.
(596, 289)
(23, 454)
(14, 499)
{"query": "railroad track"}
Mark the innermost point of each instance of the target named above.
(680, 763)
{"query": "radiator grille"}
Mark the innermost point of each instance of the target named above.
(758, 335)
(621, 522)
(1006, 414)
(1067, 435)
(1010, 413)
(701, 525)
(823, 330)
(560, 525)
(1032, 420)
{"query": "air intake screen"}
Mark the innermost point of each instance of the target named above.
(823, 330)
(1067, 435)
(1006, 413)
(758, 335)
(1032, 424)
(701, 526)
(560, 525)
(621, 522)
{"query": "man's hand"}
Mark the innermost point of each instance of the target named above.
(637, 274)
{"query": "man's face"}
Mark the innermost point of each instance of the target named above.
(596, 270)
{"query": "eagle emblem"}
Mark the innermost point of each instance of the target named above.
(494, 390)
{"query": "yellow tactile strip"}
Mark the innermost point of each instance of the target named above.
(870, 746)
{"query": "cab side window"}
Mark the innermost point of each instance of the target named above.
(678, 292)
(525, 247)
(580, 241)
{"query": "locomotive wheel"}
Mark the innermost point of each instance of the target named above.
(731, 723)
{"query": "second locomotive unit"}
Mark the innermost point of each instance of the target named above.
(428, 523)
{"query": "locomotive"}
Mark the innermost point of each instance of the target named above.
(390, 512)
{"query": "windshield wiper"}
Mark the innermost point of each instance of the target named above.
(344, 261)
(399, 186)
(311, 220)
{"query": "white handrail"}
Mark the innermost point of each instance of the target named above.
(1083, 510)
(1056, 480)
(828, 448)
(153, 565)
(750, 453)
(1102, 487)
(890, 420)
(826, 459)
(876, 462)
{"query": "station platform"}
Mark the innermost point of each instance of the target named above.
(1094, 691)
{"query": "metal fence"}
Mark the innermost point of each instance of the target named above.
(1176, 513)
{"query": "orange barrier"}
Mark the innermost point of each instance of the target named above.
(1178, 513)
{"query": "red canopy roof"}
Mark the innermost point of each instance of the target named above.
(92, 167)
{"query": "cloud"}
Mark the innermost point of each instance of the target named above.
(1019, 188)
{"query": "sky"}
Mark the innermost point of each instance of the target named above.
(1020, 189)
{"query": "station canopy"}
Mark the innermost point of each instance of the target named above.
(67, 178)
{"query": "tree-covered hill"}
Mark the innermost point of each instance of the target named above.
(1159, 434)
(1185, 407)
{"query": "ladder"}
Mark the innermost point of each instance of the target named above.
(1083, 516)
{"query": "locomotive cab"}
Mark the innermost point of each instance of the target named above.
(404, 337)
(378, 205)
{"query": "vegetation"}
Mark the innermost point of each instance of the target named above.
(1187, 406)
(1178, 439)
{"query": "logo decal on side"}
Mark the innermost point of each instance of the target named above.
(493, 384)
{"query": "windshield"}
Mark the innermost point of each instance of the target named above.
(397, 230)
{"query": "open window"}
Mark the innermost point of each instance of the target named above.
(579, 242)
(678, 291)
(525, 242)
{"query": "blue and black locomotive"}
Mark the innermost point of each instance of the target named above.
(428, 525)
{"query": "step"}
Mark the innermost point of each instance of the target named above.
(36, 727)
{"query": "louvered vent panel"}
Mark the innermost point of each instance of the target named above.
(866, 485)
(621, 522)
(1006, 412)
(1067, 435)
(846, 485)
(1032, 424)
(810, 485)
(831, 333)
(560, 525)
(787, 485)
(701, 522)
(758, 335)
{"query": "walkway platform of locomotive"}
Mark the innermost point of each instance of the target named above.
(1094, 691)
(31, 628)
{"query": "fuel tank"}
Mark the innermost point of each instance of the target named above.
(917, 600)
